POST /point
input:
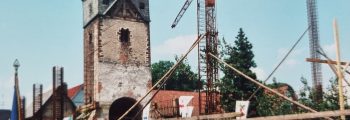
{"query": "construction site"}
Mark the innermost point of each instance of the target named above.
(118, 82)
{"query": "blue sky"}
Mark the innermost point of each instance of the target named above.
(42, 34)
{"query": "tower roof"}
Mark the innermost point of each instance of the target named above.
(135, 3)
(100, 8)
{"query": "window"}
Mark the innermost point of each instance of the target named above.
(90, 9)
(90, 38)
(124, 35)
(106, 2)
(142, 5)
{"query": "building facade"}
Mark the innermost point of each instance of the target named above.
(116, 55)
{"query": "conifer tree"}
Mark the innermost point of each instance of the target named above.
(233, 86)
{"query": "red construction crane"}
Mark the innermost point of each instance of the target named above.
(207, 67)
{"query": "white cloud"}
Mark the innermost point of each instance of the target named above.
(292, 60)
(329, 50)
(260, 73)
(283, 51)
(174, 46)
(6, 97)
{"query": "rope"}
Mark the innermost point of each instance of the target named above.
(321, 52)
(149, 101)
(164, 76)
(265, 87)
(279, 64)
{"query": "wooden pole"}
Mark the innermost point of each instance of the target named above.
(331, 65)
(304, 115)
(346, 66)
(339, 73)
(164, 76)
(211, 117)
(265, 87)
(324, 61)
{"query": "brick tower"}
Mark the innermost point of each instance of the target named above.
(116, 55)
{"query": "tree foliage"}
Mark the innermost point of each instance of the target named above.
(270, 104)
(274, 105)
(183, 78)
(330, 96)
(233, 86)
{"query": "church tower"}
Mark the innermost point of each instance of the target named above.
(116, 55)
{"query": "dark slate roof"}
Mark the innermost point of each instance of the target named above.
(5, 114)
(47, 98)
(145, 16)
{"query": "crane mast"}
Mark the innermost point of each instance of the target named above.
(207, 67)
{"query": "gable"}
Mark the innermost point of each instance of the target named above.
(46, 109)
(124, 9)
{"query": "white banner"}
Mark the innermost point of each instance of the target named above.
(185, 110)
(145, 112)
(242, 107)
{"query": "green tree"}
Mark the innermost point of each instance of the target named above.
(182, 79)
(270, 104)
(330, 96)
(233, 86)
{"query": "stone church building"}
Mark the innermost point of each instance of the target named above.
(116, 55)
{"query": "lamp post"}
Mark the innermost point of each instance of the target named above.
(19, 104)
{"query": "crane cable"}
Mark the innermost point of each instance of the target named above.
(200, 37)
(279, 64)
(149, 101)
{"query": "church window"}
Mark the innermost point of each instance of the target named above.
(124, 35)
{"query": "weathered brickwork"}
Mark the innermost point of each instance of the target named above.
(138, 47)
(90, 44)
(121, 81)
(117, 56)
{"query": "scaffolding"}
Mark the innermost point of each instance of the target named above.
(207, 67)
(202, 68)
(314, 47)
(37, 97)
(57, 92)
(23, 105)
